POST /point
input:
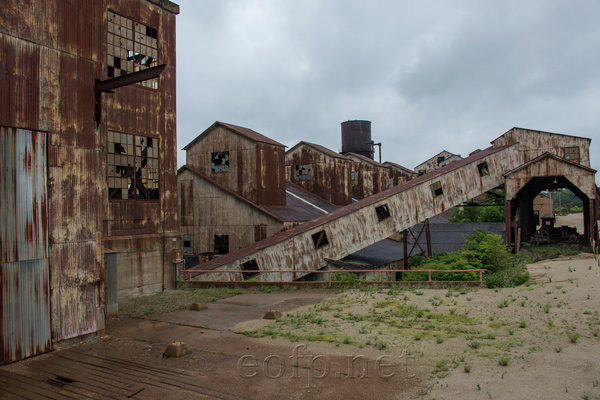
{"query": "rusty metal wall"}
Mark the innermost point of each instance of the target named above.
(52, 52)
(372, 177)
(256, 170)
(212, 211)
(432, 164)
(330, 174)
(24, 294)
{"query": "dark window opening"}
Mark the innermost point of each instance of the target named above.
(249, 266)
(440, 160)
(303, 172)
(132, 167)
(320, 239)
(188, 244)
(572, 154)
(422, 172)
(221, 244)
(383, 212)
(483, 169)
(436, 189)
(219, 161)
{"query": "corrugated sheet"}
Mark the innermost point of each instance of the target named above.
(23, 196)
(25, 320)
(301, 205)
(24, 295)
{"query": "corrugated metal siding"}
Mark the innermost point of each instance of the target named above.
(23, 196)
(25, 320)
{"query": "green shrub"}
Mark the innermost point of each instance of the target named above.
(482, 250)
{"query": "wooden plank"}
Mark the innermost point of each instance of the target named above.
(31, 388)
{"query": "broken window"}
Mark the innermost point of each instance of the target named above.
(219, 161)
(436, 189)
(320, 239)
(251, 265)
(383, 212)
(221, 244)
(132, 167)
(188, 244)
(572, 154)
(303, 172)
(440, 160)
(131, 47)
(422, 172)
(483, 169)
(354, 177)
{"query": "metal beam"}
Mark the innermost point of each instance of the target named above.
(130, 79)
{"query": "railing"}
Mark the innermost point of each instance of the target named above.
(281, 272)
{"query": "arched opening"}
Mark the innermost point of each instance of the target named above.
(527, 226)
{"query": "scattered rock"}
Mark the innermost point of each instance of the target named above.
(198, 306)
(176, 350)
(272, 314)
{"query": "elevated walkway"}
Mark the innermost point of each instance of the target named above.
(351, 228)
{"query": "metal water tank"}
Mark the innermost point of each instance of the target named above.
(356, 138)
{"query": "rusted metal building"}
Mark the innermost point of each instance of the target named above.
(320, 171)
(369, 177)
(226, 205)
(507, 164)
(84, 172)
(242, 160)
(440, 160)
(399, 173)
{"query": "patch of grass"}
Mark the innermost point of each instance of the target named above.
(573, 336)
(173, 300)
(504, 360)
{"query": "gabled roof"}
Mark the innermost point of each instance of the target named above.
(538, 131)
(245, 132)
(365, 159)
(223, 188)
(400, 167)
(549, 155)
(437, 155)
(319, 148)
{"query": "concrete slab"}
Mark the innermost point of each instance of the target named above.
(243, 312)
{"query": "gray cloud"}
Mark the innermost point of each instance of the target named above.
(430, 75)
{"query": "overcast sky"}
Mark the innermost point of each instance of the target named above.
(429, 75)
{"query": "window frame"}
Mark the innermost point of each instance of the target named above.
(483, 169)
(250, 265)
(436, 189)
(221, 241)
(307, 172)
(567, 154)
(320, 239)
(143, 167)
(219, 168)
(383, 212)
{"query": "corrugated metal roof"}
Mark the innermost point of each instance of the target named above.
(400, 167)
(538, 131)
(301, 205)
(349, 209)
(365, 159)
(246, 132)
(321, 149)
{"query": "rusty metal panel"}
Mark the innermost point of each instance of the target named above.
(23, 195)
(25, 320)
(330, 172)
(270, 175)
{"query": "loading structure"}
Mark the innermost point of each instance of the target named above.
(520, 161)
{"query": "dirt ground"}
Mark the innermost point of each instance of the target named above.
(537, 342)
